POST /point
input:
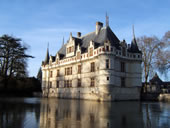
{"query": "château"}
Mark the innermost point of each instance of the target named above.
(95, 66)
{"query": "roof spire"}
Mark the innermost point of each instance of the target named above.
(107, 20)
(133, 31)
(47, 55)
(63, 41)
(134, 46)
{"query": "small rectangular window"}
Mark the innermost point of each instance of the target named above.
(92, 67)
(68, 71)
(70, 49)
(108, 78)
(107, 48)
(79, 69)
(79, 83)
(57, 84)
(92, 82)
(122, 64)
(107, 64)
(65, 83)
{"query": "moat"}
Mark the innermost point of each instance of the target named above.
(62, 113)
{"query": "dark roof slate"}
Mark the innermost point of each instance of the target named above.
(47, 57)
(104, 35)
(156, 80)
(99, 39)
(134, 47)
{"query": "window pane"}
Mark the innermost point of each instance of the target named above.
(92, 67)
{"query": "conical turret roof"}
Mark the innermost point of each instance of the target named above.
(47, 57)
(134, 47)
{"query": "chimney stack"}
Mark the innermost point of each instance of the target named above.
(99, 25)
(78, 34)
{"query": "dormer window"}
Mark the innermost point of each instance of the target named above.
(78, 55)
(91, 51)
(70, 49)
(107, 48)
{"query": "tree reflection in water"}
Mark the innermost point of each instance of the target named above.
(17, 113)
(60, 113)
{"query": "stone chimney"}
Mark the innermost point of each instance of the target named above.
(78, 34)
(99, 25)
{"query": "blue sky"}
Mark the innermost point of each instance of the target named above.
(38, 22)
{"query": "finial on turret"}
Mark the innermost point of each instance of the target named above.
(47, 55)
(133, 31)
(48, 46)
(63, 41)
(107, 20)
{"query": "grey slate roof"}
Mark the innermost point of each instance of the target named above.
(99, 39)
(104, 34)
(47, 57)
(134, 47)
(62, 50)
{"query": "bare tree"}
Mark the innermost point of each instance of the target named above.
(155, 55)
(163, 57)
(13, 57)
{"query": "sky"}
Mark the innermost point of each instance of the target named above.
(39, 22)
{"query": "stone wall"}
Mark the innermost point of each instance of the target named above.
(110, 82)
(164, 97)
(96, 93)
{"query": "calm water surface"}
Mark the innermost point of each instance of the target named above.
(59, 113)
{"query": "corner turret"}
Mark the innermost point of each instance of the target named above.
(134, 47)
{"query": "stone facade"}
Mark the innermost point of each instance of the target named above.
(96, 66)
(57, 113)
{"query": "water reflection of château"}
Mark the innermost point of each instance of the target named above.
(57, 113)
